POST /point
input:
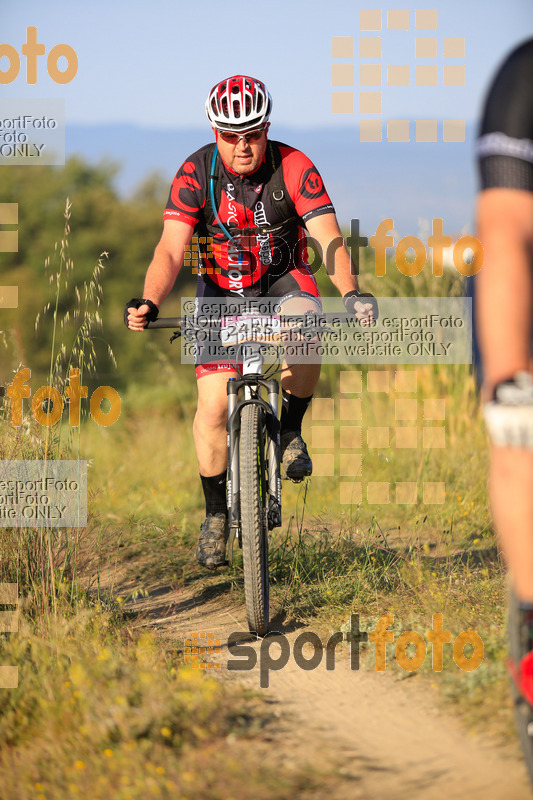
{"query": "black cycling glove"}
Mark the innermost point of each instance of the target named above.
(351, 298)
(137, 302)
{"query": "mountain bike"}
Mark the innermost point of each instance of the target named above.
(253, 440)
(253, 437)
(253, 482)
(254, 470)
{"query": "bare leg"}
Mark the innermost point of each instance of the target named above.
(209, 428)
(511, 492)
(299, 376)
(300, 379)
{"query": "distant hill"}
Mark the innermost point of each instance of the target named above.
(371, 182)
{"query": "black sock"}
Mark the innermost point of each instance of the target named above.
(292, 411)
(215, 494)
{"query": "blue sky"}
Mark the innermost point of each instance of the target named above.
(153, 64)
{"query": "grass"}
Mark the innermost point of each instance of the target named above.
(101, 711)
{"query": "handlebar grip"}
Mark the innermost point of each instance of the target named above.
(165, 322)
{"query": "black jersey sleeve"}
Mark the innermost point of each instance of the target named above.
(505, 142)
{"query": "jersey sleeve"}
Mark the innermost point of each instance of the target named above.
(188, 191)
(505, 143)
(304, 184)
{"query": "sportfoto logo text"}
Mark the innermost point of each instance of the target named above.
(47, 403)
(247, 656)
(466, 253)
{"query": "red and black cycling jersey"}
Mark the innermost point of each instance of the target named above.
(267, 227)
(505, 143)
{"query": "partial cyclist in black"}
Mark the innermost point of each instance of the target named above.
(504, 307)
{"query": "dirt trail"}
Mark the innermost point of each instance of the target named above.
(380, 736)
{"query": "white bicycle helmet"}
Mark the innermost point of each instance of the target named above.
(238, 103)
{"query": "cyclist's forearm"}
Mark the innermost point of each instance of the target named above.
(326, 232)
(161, 275)
(342, 271)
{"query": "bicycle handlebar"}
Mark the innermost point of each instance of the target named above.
(311, 324)
(166, 322)
(178, 322)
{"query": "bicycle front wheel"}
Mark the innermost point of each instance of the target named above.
(254, 527)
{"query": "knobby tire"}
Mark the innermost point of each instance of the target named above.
(254, 528)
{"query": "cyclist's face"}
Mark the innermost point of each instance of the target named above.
(245, 156)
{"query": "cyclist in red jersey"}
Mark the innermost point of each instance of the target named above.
(255, 198)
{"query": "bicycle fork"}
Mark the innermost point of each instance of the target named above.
(233, 436)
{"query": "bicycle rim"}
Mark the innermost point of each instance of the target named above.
(254, 529)
(523, 712)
